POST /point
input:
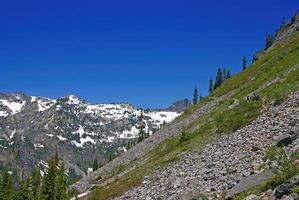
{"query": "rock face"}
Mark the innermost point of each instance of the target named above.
(224, 164)
(33, 128)
(179, 106)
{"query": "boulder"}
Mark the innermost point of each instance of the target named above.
(284, 140)
(247, 183)
(253, 97)
(281, 190)
(286, 188)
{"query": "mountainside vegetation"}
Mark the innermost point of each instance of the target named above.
(271, 77)
(51, 185)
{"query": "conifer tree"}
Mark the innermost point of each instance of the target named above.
(95, 164)
(141, 134)
(23, 191)
(6, 187)
(60, 190)
(211, 85)
(35, 182)
(244, 63)
(219, 78)
(48, 185)
(195, 95)
(269, 40)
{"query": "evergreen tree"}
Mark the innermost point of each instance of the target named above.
(244, 63)
(195, 95)
(111, 156)
(141, 134)
(95, 164)
(269, 40)
(35, 182)
(219, 78)
(60, 190)
(211, 85)
(48, 185)
(6, 187)
(23, 191)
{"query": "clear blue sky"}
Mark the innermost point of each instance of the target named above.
(146, 52)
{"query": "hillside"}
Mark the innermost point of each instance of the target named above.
(34, 128)
(214, 145)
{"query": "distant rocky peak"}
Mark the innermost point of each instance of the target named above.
(180, 106)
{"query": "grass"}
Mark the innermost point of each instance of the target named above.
(278, 63)
(287, 169)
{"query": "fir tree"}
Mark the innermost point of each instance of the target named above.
(244, 63)
(23, 191)
(48, 185)
(219, 78)
(95, 164)
(6, 187)
(141, 134)
(269, 40)
(60, 190)
(35, 182)
(195, 95)
(211, 85)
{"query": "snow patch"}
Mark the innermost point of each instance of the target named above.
(61, 138)
(12, 134)
(3, 114)
(15, 107)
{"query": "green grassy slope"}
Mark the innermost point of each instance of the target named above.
(279, 66)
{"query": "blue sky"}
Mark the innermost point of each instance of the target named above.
(148, 53)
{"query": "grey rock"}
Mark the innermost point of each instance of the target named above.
(249, 182)
(284, 140)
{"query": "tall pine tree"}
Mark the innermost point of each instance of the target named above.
(219, 78)
(6, 187)
(95, 164)
(244, 63)
(195, 95)
(269, 40)
(23, 191)
(35, 183)
(60, 189)
(48, 185)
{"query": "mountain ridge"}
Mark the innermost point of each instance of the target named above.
(34, 127)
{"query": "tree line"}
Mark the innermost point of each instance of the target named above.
(51, 186)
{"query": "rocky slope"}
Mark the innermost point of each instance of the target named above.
(33, 128)
(213, 147)
(223, 164)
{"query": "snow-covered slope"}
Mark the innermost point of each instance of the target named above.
(36, 127)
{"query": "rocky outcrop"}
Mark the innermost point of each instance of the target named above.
(179, 106)
(221, 166)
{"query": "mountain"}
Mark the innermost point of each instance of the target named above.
(33, 128)
(179, 106)
(241, 142)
